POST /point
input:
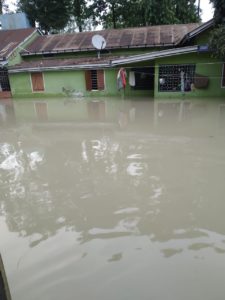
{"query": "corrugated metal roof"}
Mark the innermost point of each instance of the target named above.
(63, 64)
(10, 39)
(94, 62)
(152, 36)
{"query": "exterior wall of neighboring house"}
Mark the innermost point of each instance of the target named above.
(15, 57)
(12, 59)
(14, 21)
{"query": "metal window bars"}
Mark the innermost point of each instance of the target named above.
(174, 78)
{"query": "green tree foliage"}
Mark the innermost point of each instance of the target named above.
(186, 11)
(54, 15)
(219, 13)
(217, 39)
(159, 12)
(80, 13)
(217, 42)
(110, 13)
(125, 13)
(50, 14)
(3, 7)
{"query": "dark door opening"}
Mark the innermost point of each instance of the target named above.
(144, 78)
(5, 91)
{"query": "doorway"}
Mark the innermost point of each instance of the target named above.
(5, 90)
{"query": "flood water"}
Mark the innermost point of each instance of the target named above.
(113, 199)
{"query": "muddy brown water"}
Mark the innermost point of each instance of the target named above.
(113, 199)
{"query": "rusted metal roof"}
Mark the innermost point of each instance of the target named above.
(96, 63)
(152, 36)
(63, 64)
(10, 39)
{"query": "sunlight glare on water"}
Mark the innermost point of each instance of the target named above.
(111, 199)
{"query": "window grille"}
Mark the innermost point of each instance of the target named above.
(4, 80)
(94, 80)
(175, 78)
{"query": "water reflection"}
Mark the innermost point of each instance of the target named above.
(156, 173)
(47, 176)
(7, 114)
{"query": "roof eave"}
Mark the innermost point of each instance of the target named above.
(59, 68)
(112, 63)
(197, 31)
(154, 55)
(66, 51)
(21, 43)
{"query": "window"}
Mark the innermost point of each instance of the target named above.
(174, 78)
(144, 78)
(95, 80)
(37, 82)
(223, 76)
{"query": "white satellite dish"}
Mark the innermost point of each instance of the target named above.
(98, 42)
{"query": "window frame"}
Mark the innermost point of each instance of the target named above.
(89, 82)
(163, 75)
(94, 80)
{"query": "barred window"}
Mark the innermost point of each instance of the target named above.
(94, 80)
(175, 78)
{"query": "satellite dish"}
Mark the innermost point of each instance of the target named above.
(98, 42)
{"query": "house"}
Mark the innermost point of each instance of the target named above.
(166, 61)
(11, 43)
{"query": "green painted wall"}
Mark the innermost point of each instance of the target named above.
(201, 39)
(20, 84)
(55, 81)
(205, 65)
